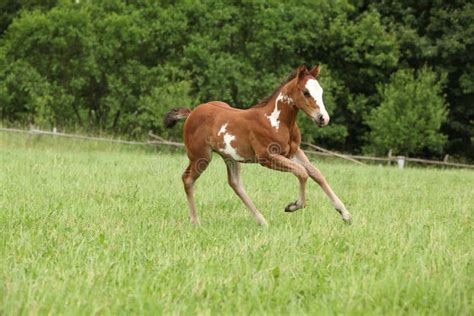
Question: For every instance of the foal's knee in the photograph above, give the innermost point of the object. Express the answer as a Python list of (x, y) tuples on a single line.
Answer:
[(302, 174), (317, 176)]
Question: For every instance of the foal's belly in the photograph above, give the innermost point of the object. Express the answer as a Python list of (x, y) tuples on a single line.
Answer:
[(231, 146), (234, 141)]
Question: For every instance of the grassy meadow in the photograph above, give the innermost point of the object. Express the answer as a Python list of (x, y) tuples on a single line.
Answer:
[(94, 228)]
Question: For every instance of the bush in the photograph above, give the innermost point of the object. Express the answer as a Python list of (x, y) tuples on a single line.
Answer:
[(112, 65), (409, 119)]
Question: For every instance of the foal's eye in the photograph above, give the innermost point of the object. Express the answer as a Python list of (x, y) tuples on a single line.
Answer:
[(306, 93)]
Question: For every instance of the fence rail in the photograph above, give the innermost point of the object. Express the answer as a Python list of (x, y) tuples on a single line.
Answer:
[(315, 150), (398, 159)]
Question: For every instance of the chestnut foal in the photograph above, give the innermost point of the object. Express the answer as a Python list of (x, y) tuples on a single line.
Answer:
[(265, 133)]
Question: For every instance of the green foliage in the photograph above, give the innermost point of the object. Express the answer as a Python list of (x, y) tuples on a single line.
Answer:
[(411, 114), (9, 9), (98, 65), (87, 65), (440, 34)]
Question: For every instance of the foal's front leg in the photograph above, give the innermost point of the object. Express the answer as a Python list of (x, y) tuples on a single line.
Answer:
[(281, 163), (318, 177)]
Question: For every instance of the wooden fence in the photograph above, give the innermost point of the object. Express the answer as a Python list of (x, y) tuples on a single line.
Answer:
[(312, 149)]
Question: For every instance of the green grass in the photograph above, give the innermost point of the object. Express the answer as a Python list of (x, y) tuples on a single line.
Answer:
[(89, 228)]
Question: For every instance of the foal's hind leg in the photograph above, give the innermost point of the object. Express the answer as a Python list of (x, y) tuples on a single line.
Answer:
[(317, 176), (192, 172), (233, 176)]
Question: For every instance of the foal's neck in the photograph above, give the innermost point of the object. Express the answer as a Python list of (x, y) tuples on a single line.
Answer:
[(281, 108)]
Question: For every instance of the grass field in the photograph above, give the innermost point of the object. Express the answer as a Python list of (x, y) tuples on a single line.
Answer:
[(89, 228)]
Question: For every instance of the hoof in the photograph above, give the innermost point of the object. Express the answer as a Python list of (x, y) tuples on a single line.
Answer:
[(195, 222), (346, 217), (293, 207), (348, 220), (261, 220)]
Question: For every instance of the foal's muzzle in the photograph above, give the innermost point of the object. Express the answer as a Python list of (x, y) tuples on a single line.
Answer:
[(321, 120)]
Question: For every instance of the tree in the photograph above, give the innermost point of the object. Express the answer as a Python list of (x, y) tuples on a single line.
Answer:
[(9, 9), (114, 65), (94, 65), (409, 118), (439, 34)]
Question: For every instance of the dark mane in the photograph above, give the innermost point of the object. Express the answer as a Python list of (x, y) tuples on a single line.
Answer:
[(264, 101)]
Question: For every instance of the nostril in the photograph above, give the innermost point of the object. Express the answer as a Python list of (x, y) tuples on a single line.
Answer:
[(320, 118)]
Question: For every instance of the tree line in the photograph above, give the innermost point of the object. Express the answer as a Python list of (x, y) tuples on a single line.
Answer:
[(396, 74)]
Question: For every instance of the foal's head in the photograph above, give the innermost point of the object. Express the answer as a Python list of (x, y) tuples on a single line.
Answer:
[(308, 95)]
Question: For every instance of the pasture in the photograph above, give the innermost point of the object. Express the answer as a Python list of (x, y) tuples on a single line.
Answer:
[(93, 228)]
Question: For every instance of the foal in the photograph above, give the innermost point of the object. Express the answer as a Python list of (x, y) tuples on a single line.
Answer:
[(265, 133)]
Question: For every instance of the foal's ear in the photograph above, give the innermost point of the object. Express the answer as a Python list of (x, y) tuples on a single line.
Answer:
[(315, 71), (301, 72)]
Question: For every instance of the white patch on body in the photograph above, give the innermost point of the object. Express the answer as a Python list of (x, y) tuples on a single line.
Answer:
[(317, 93), (222, 130), (274, 117), (228, 138)]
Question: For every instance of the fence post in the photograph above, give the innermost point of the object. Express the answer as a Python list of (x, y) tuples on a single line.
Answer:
[(401, 162), (389, 162), (30, 132)]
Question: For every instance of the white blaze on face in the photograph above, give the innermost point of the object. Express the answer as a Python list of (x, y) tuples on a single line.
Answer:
[(317, 93), (228, 138), (275, 115)]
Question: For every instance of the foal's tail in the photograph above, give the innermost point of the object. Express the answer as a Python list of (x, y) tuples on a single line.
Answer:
[(175, 115)]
